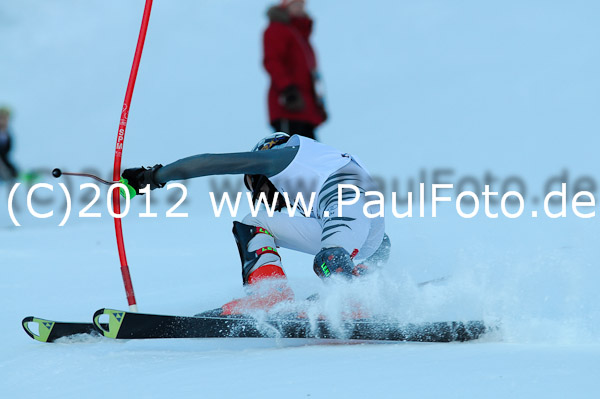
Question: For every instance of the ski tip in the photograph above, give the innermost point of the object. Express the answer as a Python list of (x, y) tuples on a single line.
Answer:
[(44, 328), (111, 328)]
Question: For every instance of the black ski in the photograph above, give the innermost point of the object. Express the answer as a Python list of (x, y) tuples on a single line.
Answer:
[(126, 325), (50, 331)]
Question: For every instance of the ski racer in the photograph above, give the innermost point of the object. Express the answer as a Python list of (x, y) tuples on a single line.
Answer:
[(347, 244)]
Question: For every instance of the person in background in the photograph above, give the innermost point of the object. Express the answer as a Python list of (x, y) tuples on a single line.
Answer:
[(296, 105), (7, 169)]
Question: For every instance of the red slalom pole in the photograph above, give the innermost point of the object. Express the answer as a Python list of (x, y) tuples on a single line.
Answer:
[(119, 154)]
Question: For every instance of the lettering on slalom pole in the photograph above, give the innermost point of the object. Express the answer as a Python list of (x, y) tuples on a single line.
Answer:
[(120, 139), (121, 135)]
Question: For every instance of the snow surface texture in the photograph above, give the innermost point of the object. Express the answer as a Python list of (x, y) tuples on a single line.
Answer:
[(506, 87)]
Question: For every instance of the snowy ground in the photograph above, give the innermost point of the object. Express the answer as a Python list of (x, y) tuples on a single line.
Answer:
[(510, 88), (547, 348)]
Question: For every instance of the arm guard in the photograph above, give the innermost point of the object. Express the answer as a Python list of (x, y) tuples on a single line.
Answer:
[(268, 163)]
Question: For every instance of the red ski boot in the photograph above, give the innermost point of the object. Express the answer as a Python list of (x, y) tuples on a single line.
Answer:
[(268, 287)]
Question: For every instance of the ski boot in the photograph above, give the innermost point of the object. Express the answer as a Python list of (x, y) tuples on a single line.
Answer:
[(262, 274)]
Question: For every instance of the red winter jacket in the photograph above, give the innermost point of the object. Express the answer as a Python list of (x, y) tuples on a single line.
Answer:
[(290, 60)]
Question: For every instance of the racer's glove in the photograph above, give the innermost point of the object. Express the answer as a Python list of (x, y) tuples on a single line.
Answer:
[(291, 99), (137, 178)]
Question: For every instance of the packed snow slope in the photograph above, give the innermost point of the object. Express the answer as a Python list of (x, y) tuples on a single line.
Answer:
[(508, 89)]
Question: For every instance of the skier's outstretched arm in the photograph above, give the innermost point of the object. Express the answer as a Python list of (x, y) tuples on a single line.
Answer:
[(268, 163)]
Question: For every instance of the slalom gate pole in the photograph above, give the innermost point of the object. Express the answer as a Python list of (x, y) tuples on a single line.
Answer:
[(119, 154)]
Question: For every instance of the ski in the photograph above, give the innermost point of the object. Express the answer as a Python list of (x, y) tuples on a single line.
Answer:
[(127, 325), (50, 330)]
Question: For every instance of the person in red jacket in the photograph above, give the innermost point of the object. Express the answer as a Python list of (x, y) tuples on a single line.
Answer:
[(295, 104)]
